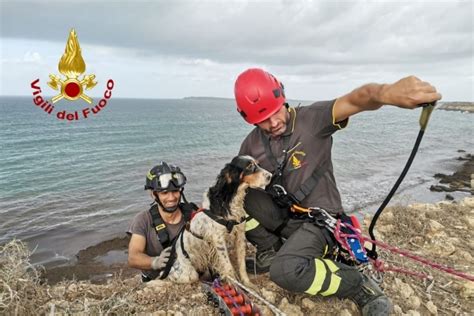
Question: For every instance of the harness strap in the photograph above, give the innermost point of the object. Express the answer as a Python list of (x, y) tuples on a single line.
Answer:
[(187, 210), (166, 270), (185, 253), (268, 151), (229, 224), (159, 226), (307, 187), (327, 222), (181, 238)]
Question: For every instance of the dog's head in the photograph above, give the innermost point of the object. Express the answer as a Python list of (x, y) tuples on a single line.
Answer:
[(242, 169), (250, 172)]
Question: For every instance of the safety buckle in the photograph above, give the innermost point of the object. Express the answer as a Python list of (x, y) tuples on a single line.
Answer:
[(160, 227), (279, 190), (322, 218)]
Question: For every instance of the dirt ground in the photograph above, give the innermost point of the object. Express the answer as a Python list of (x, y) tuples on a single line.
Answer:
[(441, 233)]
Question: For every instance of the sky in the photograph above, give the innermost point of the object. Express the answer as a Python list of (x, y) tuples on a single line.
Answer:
[(173, 49)]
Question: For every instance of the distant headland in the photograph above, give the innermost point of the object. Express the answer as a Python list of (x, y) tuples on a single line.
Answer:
[(457, 106)]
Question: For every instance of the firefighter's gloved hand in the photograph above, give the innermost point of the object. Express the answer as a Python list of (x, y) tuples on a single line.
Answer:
[(160, 262)]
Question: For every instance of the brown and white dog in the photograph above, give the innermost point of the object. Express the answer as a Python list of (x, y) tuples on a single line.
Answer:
[(208, 241)]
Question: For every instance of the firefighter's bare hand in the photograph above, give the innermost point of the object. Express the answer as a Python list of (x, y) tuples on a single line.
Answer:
[(409, 93), (160, 261)]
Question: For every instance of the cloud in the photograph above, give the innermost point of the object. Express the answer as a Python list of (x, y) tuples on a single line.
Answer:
[(280, 32), (32, 57), (302, 41), (28, 58)]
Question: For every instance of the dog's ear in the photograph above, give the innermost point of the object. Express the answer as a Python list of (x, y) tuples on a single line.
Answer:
[(222, 192)]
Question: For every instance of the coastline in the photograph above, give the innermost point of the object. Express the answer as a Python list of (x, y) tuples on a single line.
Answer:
[(97, 263), (99, 281), (457, 106), (440, 232), (100, 262)]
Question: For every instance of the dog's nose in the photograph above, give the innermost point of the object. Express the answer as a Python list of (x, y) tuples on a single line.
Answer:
[(269, 177)]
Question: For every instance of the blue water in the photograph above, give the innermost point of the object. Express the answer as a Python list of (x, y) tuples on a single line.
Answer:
[(68, 185)]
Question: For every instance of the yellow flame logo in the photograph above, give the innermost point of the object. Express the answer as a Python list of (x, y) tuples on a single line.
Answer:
[(295, 161), (72, 65)]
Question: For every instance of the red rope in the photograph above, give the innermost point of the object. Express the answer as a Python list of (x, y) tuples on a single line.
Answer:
[(379, 265)]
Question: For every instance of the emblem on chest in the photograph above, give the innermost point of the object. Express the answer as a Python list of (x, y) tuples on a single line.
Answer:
[(297, 159)]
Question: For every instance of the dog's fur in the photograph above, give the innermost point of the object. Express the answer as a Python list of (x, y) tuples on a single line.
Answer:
[(219, 250)]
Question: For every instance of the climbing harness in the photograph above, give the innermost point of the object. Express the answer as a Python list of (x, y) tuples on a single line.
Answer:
[(347, 232), (163, 236)]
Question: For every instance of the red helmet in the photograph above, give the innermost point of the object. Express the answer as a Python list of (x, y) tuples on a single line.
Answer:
[(259, 95)]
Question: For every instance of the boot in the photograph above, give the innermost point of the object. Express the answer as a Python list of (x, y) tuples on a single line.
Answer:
[(263, 260), (370, 299)]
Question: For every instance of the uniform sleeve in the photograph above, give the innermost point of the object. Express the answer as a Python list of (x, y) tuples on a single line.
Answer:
[(323, 118), (138, 225)]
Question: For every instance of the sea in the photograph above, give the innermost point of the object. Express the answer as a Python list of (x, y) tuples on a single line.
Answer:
[(66, 185)]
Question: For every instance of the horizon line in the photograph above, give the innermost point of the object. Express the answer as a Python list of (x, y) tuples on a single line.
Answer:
[(193, 97)]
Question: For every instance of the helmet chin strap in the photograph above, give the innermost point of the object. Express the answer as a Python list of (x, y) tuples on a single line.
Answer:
[(167, 209)]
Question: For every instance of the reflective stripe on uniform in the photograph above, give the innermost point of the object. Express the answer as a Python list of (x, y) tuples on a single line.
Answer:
[(335, 279), (333, 285), (326, 248), (251, 224), (331, 265), (320, 276)]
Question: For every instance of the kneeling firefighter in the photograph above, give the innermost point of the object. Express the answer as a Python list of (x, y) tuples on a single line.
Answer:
[(306, 260), (153, 232), (295, 145)]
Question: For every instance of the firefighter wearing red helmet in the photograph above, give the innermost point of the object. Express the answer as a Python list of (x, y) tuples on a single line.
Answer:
[(259, 95), (295, 145)]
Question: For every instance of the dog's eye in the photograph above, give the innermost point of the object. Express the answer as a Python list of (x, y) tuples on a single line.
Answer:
[(251, 168)]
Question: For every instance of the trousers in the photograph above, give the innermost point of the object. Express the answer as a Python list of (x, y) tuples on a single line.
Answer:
[(303, 263)]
